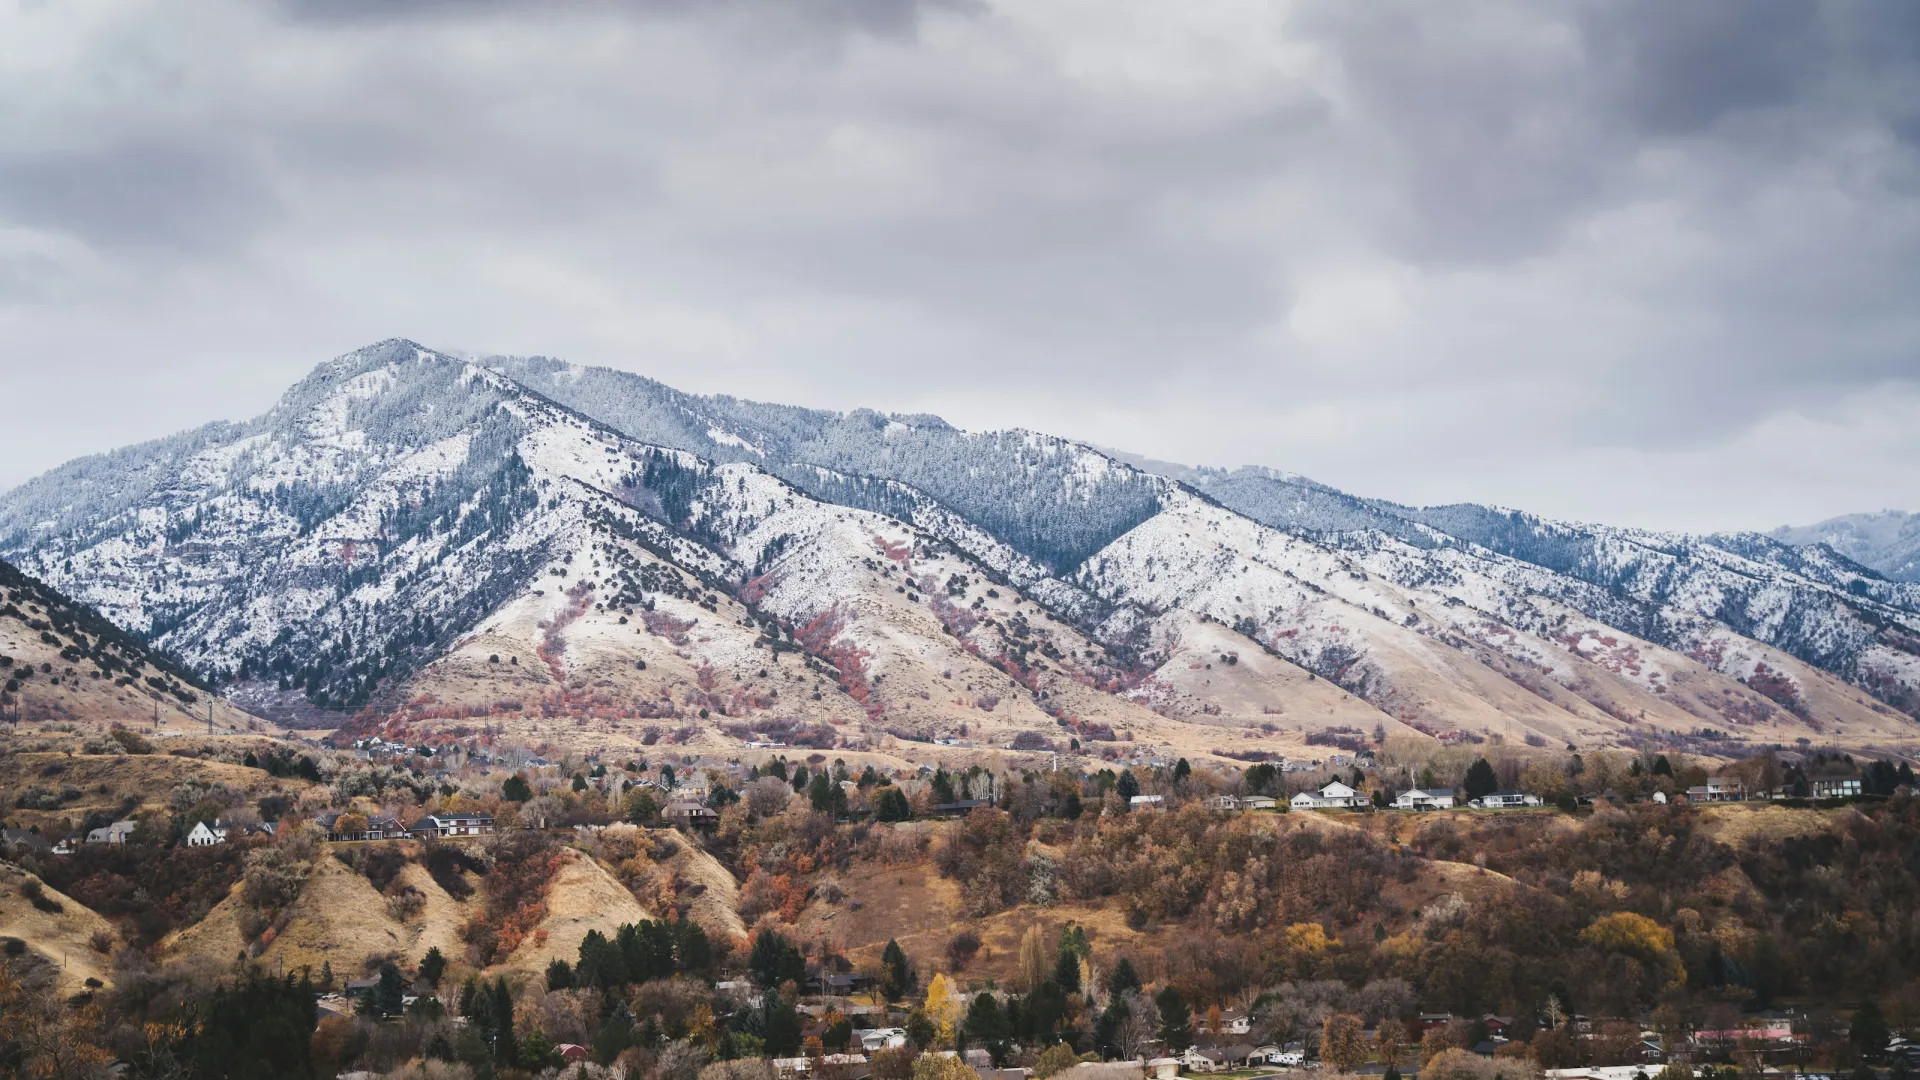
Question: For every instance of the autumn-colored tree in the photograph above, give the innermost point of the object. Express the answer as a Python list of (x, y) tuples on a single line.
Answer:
[(1343, 1043), (1054, 1059), (1033, 958), (1638, 936), (50, 1040), (1433, 1043), (935, 1067), (943, 1012), (1390, 1040)]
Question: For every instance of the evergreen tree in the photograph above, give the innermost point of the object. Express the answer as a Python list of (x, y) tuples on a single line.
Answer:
[(389, 994), (1127, 786), (1066, 971), (559, 975), (1123, 979), (1176, 1020), (1869, 1032), (780, 1024), (516, 789), (891, 805), (897, 981), (500, 1022), (255, 1028), (432, 966), (1480, 780), (774, 961), (987, 1026)]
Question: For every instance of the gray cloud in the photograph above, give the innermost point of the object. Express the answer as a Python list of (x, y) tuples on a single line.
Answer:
[(1501, 250)]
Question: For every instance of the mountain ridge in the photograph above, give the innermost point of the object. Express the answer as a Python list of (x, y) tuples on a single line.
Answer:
[(348, 547)]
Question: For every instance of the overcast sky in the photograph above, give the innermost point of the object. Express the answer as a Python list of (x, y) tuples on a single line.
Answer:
[(1646, 262)]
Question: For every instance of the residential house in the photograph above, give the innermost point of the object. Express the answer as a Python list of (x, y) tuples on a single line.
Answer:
[(883, 1039), (571, 1052), (689, 813), (1334, 796), (1718, 789), (1146, 802), (23, 840), (205, 835), (119, 832), (1240, 802), (466, 823), (1418, 799), (1216, 1058), (1505, 799), (1834, 787), (378, 827)]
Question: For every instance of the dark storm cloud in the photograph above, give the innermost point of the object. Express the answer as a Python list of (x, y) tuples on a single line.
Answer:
[(1386, 244)]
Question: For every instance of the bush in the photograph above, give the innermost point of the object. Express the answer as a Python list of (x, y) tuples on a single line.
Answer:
[(36, 894), (131, 741), (961, 949)]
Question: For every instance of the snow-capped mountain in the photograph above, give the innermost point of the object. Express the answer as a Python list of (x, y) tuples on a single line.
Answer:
[(588, 554), (1887, 541)]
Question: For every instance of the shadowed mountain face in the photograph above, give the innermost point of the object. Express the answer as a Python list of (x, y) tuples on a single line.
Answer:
[(525, 538)]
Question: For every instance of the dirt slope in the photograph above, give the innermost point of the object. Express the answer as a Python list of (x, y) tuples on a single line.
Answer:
[(65, 938), (584, 897)]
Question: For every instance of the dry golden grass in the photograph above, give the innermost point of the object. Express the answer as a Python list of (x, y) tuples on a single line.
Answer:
[(716, 907), (584, 897), (64, 938), (1736, 823), (106, 781)]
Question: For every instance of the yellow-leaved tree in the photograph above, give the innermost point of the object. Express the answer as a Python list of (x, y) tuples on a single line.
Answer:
[(1638, 936), (942, 1010)]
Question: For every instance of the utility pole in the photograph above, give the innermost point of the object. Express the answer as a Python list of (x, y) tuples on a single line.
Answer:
[(209, 714)]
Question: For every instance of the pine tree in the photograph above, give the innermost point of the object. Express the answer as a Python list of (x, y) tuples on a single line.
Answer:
[(1480, 780), (432, 966), (1176, 1020), (1123, 979), (898, 981), (389, 995), (501, 1026)]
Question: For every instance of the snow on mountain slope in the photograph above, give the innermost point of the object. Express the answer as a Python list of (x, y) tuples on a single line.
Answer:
[(1887, 541), (1440, 641), (1819, 607), (576, 555)]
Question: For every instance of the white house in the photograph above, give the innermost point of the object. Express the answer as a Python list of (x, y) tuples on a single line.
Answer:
[(117, 833), (1240, 802), (1417, 799), (205, 835), (467, 824), (1506, 799), (1145, 802), (1718, 789), (1334, 796)]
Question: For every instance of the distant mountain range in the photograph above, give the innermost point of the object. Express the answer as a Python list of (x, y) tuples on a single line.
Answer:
[(420, 539), (1888, 541)]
